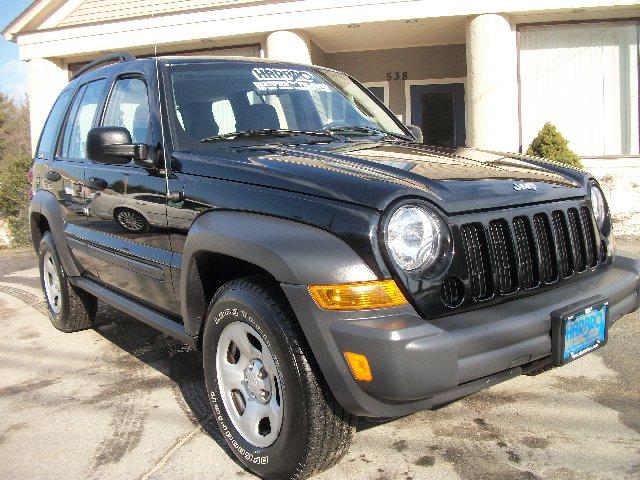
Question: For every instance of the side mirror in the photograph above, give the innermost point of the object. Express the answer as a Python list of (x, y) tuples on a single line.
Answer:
[(112, 145), (416, 132)]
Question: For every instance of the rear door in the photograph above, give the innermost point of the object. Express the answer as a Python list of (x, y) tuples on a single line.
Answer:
[(127, 204), (66, 174)]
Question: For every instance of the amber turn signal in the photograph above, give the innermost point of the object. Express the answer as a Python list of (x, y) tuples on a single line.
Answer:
[(358, 296), (359, 366)]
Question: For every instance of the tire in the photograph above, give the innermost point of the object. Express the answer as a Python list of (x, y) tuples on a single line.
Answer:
[(70, 309), (130, 220), (310, 432)]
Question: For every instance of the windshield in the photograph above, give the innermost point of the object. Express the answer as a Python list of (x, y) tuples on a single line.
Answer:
[(219, 98)]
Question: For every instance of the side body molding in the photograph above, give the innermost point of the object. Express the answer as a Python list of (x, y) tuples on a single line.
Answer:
[(45, 203), (293, 253)]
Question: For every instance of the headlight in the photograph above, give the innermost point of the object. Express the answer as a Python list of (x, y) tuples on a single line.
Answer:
[(599, 207), (416, 237)]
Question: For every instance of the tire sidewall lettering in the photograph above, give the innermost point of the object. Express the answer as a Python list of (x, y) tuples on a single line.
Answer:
[(222, 423), (239, 314)]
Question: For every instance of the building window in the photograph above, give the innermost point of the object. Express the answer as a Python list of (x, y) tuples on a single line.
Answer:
[(380, 90), (583, 78)]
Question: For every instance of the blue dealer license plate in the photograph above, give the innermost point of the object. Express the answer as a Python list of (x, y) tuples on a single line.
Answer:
[(583, 331)]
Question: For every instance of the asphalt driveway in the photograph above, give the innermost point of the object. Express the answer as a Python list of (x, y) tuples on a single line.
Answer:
[(123, 401)]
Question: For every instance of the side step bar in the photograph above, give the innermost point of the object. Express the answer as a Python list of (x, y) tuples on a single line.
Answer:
[(140, 312)]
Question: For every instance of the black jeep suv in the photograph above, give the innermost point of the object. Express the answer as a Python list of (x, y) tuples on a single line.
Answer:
[(281, 219)]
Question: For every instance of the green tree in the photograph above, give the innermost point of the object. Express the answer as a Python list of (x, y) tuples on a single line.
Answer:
[(15, 160), (550, 144), (14, 186)]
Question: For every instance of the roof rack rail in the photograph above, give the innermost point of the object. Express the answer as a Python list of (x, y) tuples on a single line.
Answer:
[(117, 57)]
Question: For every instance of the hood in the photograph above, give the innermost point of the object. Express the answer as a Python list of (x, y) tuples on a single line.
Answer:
[(374, 174)]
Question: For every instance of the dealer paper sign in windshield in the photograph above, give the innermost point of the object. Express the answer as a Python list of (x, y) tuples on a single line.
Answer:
[(270, 79)]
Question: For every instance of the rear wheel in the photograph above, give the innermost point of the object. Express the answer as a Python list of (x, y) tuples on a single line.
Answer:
[(270, 401), (70, 309)]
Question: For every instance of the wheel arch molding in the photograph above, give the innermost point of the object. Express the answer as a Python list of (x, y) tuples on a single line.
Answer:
[(289, 251), (45, 205)]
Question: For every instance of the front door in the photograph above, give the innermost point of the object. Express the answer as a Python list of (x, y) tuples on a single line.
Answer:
[(127, 209), (438, 109)]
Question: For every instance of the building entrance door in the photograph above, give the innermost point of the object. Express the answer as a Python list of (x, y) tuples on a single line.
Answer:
[(439, 110)]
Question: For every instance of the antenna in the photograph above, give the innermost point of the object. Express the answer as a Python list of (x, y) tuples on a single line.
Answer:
[(155, 38)]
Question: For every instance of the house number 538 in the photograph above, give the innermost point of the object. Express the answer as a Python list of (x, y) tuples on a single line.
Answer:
[(396, 76)]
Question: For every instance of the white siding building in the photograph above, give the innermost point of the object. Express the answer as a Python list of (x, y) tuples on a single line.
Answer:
[(486, 74)]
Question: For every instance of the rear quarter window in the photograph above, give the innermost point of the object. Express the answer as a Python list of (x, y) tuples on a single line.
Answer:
[(81, 120), (46, 145)]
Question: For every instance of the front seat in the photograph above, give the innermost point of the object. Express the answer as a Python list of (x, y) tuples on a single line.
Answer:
[(257, 117), (198, 120)]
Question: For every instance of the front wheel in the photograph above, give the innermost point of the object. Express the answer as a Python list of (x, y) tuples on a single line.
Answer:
[(269, 400)]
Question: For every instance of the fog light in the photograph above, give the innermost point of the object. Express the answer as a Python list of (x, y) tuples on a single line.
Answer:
[(358, 296), (359, 366)]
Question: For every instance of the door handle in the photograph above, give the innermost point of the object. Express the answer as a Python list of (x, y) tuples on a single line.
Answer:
[(52, 176), (96, 183)]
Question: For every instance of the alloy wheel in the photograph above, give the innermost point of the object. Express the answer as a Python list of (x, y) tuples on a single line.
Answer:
[(131, 221)]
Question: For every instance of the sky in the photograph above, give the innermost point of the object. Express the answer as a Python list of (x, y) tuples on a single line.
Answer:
[(13, 72)]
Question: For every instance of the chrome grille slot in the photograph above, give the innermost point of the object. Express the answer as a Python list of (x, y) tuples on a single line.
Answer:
[(504, 257), (474, 243), (452, 292), (546, 247), (577, 240), (527, 252), (563, 243), (589, 236)]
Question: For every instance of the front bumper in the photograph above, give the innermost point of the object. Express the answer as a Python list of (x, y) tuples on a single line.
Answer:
[(418, 364)]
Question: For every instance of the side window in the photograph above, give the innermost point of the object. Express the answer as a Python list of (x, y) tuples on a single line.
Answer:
[(129, 108), (46, 145), (80, 121)]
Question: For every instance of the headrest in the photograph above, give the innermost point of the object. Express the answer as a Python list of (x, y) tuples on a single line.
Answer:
[(198, 120), (258, 117), (140, 124)]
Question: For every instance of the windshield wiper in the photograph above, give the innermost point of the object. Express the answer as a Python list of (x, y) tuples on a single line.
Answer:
[(278, 132), (368, 130)]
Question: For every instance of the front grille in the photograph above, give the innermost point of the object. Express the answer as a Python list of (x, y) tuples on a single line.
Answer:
[(526, 252)]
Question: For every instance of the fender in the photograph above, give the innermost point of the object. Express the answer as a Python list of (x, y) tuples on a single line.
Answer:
[(292, 252), (45, 203)]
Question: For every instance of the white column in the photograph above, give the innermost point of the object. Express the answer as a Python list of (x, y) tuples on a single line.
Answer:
[(45, 81), (289, 46), (492, 84)]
